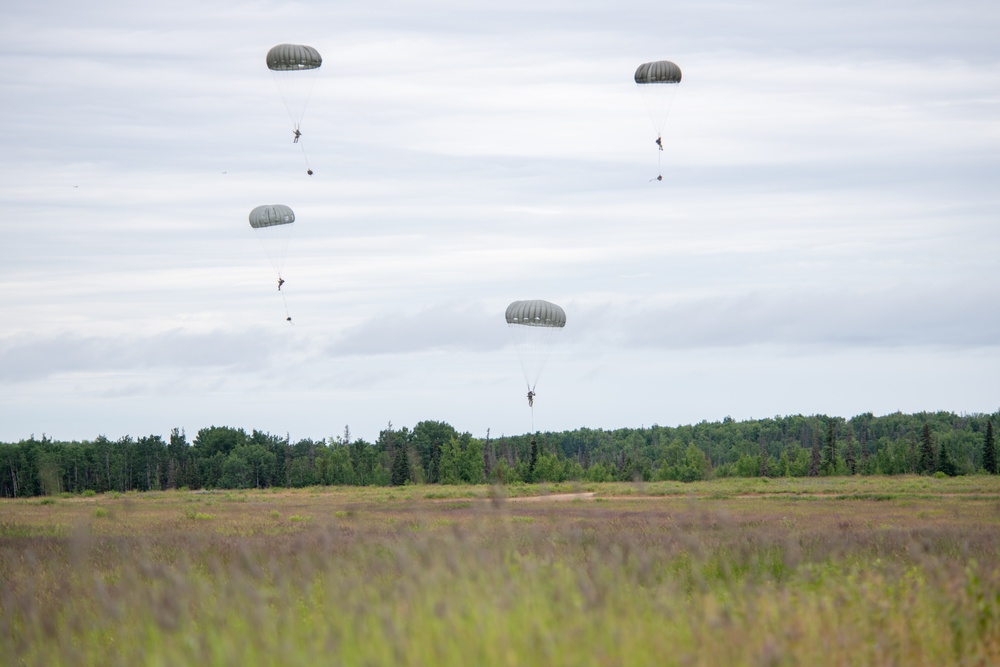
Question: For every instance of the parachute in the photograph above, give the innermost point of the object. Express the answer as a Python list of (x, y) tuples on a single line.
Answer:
[(534, 325), (273, 226), (295, 67), (271, 216), (657, 83)]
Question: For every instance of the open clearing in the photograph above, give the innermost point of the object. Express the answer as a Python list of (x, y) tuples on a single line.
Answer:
[(821, 571)]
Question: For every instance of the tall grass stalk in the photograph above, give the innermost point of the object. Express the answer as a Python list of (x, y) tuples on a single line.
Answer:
[(644, 580)]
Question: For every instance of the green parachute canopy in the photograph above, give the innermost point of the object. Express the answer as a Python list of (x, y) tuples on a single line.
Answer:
[(271, 215), (535, 313), (294, 67), (534, 325), (273, 226), (657, 83), (660, 71), (293, 58)]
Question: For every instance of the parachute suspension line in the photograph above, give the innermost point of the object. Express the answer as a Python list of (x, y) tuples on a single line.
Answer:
[(296, 90), (657, 84), (306, 159), (288, 316), (531, 406), (533, 344), (275, 240), (294, 68), (273, 227), (284, 299), (533, 324)]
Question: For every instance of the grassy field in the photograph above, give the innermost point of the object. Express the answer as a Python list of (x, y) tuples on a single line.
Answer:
[(827, 571)]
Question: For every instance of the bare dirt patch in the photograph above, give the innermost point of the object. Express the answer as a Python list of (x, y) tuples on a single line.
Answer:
[(557, 497)]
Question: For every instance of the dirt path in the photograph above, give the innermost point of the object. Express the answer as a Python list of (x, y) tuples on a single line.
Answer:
[(553, 496), (591, 495)]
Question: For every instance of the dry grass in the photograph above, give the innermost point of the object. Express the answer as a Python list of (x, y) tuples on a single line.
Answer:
[(887, 571)]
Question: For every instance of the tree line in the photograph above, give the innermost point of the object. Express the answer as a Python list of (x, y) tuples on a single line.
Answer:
[(435, 453)]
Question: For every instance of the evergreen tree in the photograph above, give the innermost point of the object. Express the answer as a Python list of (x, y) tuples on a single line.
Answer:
[(850, 455), (864, 451), (990, 450), (764, 463), (830, 451), (946, 465), (177, 461), (926, 463), (400, 466), (533, 460), (814, 457), (288, 460)]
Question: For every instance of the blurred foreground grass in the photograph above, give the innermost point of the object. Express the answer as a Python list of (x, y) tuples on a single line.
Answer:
[(835, 571)]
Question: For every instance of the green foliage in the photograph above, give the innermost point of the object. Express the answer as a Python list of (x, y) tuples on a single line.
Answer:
[(850, 453), (682, 464), (428, 438), (218, 440), (599, 472), (461, 461), (990, 450), (928, 460), (829, 465), (400, 466), (224, 457), (814, 456), (548, 468), (532, 461), (336, 466), (945, 464)]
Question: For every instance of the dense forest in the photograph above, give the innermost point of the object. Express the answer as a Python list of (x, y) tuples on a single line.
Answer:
[(434, 452)]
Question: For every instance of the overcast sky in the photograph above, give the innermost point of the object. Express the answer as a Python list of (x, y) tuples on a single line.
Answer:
[(826, 237)]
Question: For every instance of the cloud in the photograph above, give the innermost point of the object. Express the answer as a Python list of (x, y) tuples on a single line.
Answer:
[(28, 358), (828, 184), (878, 318), (442, 327)]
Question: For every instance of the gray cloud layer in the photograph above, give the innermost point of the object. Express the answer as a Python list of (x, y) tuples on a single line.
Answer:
[(880, 319), (829, 183), (24, 358)]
